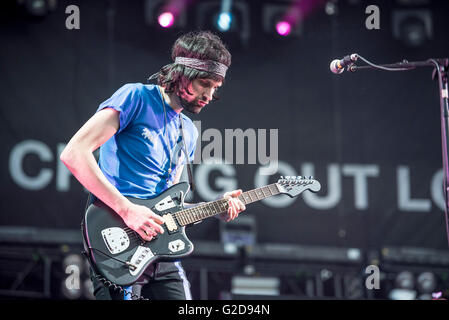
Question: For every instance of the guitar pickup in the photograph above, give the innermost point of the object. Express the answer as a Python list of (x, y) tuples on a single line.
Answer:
[(170, 222)]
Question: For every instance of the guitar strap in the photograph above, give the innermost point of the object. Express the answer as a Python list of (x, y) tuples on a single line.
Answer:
[(189, 164)]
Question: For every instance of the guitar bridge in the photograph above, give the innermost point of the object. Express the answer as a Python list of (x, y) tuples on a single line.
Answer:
[(131, 266)]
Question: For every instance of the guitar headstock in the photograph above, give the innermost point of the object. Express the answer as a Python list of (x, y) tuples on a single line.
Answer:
[(294, 185)]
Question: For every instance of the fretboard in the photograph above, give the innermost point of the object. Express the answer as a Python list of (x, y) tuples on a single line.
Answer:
[(209, 209)]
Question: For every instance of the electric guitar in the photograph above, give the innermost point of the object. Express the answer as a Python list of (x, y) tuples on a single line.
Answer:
[(120, 255)]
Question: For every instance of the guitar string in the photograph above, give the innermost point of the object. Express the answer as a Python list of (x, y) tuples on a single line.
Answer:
[(241, 197), (181, 214), (177, 215), (131, 232), (132, 235)]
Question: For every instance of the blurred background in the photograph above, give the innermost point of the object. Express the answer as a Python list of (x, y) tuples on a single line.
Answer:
[(371, 138)]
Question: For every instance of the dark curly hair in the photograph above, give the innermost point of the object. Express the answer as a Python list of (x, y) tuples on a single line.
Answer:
[(203, 45)]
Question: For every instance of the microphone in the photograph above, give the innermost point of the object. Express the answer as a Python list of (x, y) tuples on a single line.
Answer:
[(338, 66)]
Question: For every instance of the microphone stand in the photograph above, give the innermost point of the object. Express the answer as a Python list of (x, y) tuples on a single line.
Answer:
[(441, 70)]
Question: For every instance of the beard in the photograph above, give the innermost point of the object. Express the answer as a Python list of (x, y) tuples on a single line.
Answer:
[(190, 106)]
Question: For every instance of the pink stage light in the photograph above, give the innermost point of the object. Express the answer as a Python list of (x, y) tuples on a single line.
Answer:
[(166, 19), (283, 28)]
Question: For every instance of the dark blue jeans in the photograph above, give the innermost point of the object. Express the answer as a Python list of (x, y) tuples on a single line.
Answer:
[(161, 281)]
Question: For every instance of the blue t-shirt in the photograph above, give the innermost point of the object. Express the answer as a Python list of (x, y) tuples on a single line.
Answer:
[(136, 159)]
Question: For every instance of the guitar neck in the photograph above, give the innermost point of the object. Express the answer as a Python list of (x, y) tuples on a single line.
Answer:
[(209, 209)]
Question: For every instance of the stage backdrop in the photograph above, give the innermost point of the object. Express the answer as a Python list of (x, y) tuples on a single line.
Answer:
[(371, 138)]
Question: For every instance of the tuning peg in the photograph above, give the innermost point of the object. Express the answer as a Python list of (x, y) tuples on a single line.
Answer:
[(282, 177), (288, 177), (311, 178)]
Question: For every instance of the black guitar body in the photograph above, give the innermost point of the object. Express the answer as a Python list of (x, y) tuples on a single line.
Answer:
[(118, 253)]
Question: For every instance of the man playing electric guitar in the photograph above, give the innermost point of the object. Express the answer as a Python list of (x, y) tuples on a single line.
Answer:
[(142, 150)]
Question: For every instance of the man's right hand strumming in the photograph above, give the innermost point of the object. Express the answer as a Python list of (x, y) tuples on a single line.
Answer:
[(142, 220)]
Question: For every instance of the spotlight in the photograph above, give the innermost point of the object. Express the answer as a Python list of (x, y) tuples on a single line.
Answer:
[(283, 28), (231, 18), (402, 294), (166, 19), (412, 27), (224, 21), (405, 282), (282, 20), (37, 8), (331, 8), (412, 31), (426, 282), (166, 14)]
